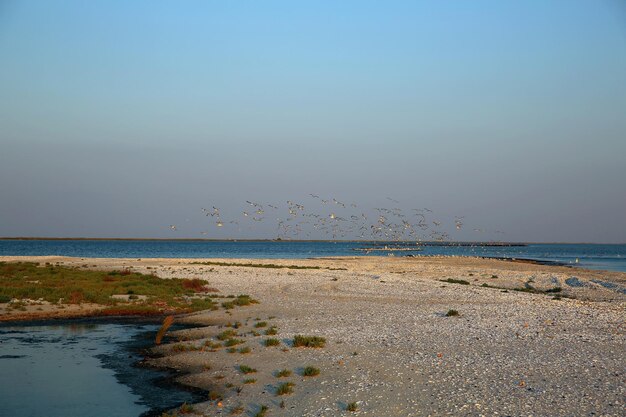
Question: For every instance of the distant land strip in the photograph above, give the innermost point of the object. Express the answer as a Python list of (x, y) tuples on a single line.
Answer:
[(375, 242)]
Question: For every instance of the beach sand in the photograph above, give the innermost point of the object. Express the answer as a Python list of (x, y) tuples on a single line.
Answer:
[(390, 346)]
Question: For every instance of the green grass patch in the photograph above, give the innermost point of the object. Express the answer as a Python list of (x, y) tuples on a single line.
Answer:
[(309, 341), (245, 369), (353, 406), (310, 371), (252, 265), (52, 283), (283, 373), (239, 301), (226, 334), (455, 281), (232, 342), (272, 331), (262, 411), (271, 342), (260, 324), (285, 388)]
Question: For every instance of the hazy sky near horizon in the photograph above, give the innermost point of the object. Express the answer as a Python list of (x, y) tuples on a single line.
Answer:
[(120, 118)]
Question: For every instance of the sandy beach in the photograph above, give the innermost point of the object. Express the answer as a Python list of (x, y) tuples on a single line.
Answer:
[(391, 349)]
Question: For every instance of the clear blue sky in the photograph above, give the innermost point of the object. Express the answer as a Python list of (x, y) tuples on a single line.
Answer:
[(120, 118)]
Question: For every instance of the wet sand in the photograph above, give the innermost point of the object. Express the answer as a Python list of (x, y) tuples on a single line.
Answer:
[(390, 346)]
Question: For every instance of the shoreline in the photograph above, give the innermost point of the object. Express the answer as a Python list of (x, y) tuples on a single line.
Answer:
[(519, 341)]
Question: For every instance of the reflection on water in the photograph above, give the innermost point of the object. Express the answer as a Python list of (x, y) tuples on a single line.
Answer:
[(81, 368)]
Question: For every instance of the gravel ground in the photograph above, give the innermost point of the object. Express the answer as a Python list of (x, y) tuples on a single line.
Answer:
[(392, 349)]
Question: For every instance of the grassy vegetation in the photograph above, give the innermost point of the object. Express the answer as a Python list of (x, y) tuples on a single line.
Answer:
[(226, 334), (260, 324), (251, 265), (186, 409), (452, 313), (239, 301), (353, 406), (455, 281), (65, 285), (244, 350), (310, 371), (271, 342), (212, 345), (285, 388), (232, 342), (262, 412), (245, 369), (309, 341), (249, 381), (283, 373), (531, 290), (272, 331)]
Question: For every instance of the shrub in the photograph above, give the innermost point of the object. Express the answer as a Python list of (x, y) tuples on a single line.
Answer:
[(283, 373), (310, 371), (245, 369), (284, 388), (452, 313), (455, 281), (262, 411), (309, 341), (226, 334), (233, 342), (271, 342)]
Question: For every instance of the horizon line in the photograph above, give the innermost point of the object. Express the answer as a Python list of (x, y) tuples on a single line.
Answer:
[(292, 240)]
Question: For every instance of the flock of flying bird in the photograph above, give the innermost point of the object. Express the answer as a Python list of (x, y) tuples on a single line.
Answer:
[(334, 219)]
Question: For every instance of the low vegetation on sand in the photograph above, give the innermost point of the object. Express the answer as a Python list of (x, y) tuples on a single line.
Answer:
[(284, 373), (310, 371), (284, 388), (262, 411), (455, 281), (245, 369), (271, 342), (65, 285), (239, 301), (309, 341), (267, 266)]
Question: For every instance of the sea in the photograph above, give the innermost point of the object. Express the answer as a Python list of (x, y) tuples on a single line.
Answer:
[(610, 257)]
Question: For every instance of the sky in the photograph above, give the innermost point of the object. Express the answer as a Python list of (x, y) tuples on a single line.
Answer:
[(119, 119)]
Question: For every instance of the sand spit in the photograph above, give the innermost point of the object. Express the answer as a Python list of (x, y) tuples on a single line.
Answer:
[(390, 348)]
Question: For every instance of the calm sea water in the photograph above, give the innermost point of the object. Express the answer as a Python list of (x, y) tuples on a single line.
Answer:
[(82, 368), (608, 257)]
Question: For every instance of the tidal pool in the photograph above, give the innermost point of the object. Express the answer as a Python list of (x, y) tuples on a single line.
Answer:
[(83, 368)]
